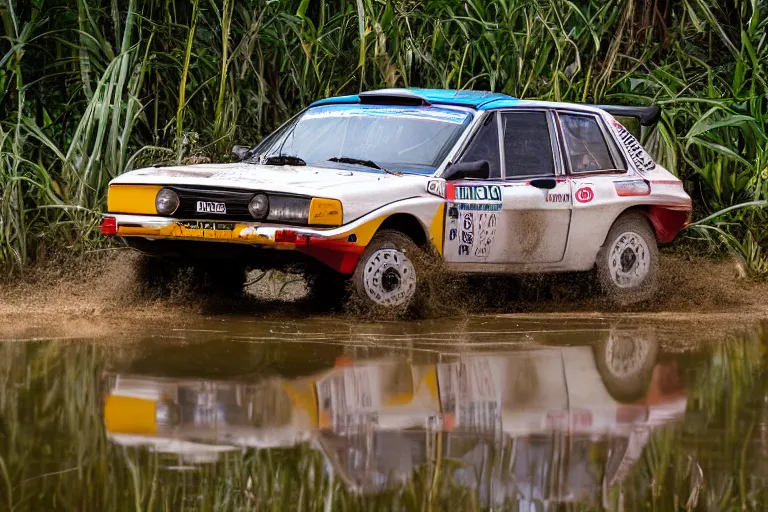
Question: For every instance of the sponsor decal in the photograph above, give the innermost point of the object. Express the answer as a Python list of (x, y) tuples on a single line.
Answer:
[(626, 188), (558, 198), (642, 160), (478, 193), (211, 207), (487, 207), (467, 235), (478, 198), (477, 234), (452, 234), (208, 226), (486, 234), (584, 195), (468, 221)]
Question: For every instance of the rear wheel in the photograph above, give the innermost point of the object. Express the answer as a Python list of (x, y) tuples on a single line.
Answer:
[(387, 274), (628, 262), (625, 362)]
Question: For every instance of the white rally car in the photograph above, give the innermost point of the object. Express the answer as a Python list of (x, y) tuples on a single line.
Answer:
[(361, 185)]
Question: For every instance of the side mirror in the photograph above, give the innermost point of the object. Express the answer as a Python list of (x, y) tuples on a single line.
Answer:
[(545, 183), (241, 152), (479, 169)]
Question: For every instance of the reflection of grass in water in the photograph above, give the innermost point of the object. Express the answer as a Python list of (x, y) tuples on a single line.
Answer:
[(711, 459), (54, 453)]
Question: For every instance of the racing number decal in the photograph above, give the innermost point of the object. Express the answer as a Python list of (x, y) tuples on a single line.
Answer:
[(472, 219), (584, 195)]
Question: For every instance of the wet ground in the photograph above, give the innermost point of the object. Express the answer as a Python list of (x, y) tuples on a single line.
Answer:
[(512, 413)]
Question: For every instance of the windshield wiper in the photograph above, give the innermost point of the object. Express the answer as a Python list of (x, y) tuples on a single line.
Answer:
[(283, 160), (364, 163)]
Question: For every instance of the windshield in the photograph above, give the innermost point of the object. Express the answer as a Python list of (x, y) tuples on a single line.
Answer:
[(397, 138)]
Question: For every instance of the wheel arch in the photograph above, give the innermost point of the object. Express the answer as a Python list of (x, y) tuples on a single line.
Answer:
[(665, 222), (407, 224)]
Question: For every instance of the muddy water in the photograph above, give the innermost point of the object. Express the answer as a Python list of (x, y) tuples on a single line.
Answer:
[(521, 414)]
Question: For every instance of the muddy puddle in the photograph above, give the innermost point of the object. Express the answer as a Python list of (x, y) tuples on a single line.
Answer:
[(523, 413)]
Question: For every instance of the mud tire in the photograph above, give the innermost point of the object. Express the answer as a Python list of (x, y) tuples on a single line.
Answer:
[(625, 362), (417, 260), (637, 225)]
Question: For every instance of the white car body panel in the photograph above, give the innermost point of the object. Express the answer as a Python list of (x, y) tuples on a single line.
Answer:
[(360, 192), (514, 227)]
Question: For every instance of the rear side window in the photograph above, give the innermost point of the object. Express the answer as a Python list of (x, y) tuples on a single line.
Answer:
[(485, 146), (586, 146), (527, 145)]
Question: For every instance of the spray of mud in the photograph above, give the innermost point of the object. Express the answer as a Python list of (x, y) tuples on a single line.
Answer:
[(113, 285)]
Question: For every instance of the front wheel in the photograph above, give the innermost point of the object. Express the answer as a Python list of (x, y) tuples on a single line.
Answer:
[(387, 274), (628, 262)]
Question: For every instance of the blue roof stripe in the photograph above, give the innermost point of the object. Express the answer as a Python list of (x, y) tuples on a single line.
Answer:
[(352, 98), (463, 98)]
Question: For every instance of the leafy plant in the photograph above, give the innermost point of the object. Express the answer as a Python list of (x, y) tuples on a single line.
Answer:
[(91, 89)]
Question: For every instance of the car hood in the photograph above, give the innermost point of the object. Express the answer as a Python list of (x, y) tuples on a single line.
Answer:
[(359, 191)]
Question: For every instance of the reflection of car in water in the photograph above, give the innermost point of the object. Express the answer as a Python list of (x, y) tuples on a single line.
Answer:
[(552, 423)]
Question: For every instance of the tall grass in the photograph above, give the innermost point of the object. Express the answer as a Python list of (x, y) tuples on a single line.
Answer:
[(91, 89)]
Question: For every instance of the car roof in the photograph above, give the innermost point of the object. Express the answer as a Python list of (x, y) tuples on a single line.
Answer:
[(460, 98)]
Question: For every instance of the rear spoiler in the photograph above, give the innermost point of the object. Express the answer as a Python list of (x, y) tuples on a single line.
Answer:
[(647, 116)]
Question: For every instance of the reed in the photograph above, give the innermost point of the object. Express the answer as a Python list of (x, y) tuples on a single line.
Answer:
[(93, 88)]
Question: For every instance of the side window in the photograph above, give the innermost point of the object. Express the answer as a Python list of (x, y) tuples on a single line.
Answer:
[(485, 146), (527, 145), (586, 146)]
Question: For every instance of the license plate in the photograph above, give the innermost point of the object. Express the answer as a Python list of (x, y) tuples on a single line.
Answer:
[(211, 207)]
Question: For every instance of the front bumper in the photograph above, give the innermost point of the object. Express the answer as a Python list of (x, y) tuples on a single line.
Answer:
[(339, 248), (227, 231)]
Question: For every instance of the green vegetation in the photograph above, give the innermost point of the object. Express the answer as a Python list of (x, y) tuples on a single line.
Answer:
[(92, 88)]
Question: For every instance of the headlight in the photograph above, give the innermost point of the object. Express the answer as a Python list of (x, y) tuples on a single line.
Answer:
[(289, 209), (259, 207), (166, 201), (295, 210)]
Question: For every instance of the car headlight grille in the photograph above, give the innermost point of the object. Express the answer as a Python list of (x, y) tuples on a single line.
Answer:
[(289, 209), (250, 206)]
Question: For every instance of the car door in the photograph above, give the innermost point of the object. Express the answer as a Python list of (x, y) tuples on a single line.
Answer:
[(595, 166), (521, 213)]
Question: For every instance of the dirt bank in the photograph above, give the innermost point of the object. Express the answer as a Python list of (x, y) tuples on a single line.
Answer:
[(105, 286)]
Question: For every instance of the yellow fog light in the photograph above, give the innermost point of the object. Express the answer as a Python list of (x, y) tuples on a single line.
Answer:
[(139, 199), (325, 212)]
